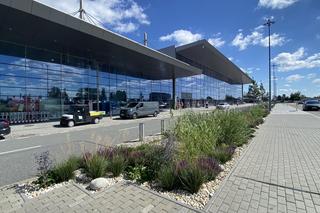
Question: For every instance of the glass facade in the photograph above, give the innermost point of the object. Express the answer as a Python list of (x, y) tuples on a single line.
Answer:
[(38, 80)]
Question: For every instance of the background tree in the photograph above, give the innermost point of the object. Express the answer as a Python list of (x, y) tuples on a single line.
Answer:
[(254, 91), (296, 96)]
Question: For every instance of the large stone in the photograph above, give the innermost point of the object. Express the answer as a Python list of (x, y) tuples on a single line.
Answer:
[(99, 183)]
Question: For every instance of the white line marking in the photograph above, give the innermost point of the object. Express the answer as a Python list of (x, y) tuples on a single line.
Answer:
[(128, 128), (19, 150)]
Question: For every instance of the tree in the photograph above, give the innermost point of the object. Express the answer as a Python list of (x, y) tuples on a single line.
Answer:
[(254, 91), (296, 96), (262, 91), (54, 92), (103, 95)]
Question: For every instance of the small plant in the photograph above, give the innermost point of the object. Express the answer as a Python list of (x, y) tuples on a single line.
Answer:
[(65, 171), (136, 173), (117, 165), (44, 165), (192, 178), (95, 165), (167, 177), (223, 153), (210, 167)]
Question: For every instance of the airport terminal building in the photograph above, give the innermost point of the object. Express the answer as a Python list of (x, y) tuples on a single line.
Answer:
[(50, 60)]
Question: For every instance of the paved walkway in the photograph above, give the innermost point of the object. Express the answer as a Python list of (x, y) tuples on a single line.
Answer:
[(71, 198), (280, 170)]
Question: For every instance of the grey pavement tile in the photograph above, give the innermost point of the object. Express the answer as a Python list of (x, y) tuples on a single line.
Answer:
[(279, 170)]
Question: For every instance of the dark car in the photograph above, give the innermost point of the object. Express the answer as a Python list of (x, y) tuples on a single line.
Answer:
[(4, 128), (311, 105)]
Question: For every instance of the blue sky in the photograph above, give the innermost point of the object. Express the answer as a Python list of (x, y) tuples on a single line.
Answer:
[(233, 26)]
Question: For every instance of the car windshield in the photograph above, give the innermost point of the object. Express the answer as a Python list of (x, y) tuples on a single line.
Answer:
[(313, 102), (131, 105), (73, 109)]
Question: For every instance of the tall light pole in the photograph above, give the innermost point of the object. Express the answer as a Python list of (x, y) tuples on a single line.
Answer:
[(274, 66), (269, 23)]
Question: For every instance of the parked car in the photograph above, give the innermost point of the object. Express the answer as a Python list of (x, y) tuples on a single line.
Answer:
[(4, 127), (80, 114), (139, 109), (223, 106), (311, 105)]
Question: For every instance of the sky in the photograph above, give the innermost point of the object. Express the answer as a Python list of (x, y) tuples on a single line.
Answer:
[(234, 27)]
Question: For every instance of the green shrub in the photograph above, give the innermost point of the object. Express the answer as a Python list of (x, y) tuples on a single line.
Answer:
[(117, 165), (191, 178), (64, 171), (45, 180), (233, 128), (95, 165), (145, 160), (167, 177), (255, 115), (196, 134), (136, 173), (223, 153)]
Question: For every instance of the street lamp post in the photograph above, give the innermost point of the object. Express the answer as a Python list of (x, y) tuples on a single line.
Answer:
[(269, 23)]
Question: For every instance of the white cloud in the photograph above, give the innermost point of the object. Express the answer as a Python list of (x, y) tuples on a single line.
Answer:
[(318, 18), (316, 81), (275, 40), (120, 15), (296, 60), (287, 85), (182, 37), (257, 37), (230, 58), (318, 36), (276, 4), (292, 78), (216, 41), (311, 75)]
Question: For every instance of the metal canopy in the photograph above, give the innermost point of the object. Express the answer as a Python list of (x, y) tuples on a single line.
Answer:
[(213, 63), (31, 23)]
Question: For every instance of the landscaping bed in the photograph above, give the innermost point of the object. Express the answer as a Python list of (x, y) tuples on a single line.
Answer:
[(187, 163)]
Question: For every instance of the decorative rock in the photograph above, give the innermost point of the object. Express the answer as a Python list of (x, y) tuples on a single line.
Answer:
[(99, 183)]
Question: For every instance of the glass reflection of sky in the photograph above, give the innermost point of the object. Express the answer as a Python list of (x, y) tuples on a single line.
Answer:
[(20, 77)]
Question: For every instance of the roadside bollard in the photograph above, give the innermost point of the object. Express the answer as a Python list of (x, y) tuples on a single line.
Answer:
[(141, 131), (162, 127)]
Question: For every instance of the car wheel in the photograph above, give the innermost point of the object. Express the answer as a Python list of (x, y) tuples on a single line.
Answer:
[(96, 120), (155, 114), (134, 116), (70, 123)]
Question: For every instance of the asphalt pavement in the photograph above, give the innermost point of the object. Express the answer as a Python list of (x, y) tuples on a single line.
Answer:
[(17, 156)]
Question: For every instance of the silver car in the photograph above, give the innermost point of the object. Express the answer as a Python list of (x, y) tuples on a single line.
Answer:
[(223, 106), (311, 105)]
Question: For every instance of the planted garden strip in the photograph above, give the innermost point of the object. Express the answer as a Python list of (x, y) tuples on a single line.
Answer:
[(187, 164)]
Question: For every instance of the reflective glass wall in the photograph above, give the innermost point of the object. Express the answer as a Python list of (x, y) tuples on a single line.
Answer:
[(37, 80)]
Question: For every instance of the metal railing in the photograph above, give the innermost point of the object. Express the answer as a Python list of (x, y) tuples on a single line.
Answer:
[(25, 117)]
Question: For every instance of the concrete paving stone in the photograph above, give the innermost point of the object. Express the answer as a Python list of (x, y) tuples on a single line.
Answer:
[(282, 208), (317, 207), (291, 206), (311, 210), (281, 161)]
